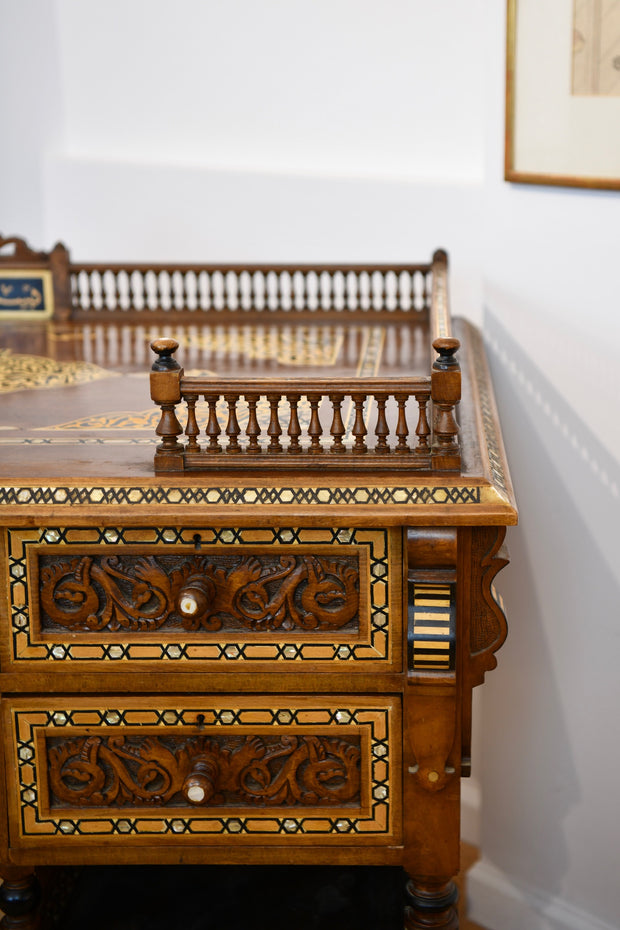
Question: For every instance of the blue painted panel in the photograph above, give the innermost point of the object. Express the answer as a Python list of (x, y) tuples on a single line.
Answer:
[(22, 294)]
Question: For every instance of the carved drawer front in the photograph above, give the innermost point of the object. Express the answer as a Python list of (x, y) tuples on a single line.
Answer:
[(249, 770), (183, 596)]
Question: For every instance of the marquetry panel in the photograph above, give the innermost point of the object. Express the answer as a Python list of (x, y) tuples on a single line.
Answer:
[(432, 628), (196, 770), (190, 595), (212, 495)]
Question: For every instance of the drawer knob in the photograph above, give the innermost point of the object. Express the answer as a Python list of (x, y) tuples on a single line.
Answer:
[(195, 597), (199, 786)]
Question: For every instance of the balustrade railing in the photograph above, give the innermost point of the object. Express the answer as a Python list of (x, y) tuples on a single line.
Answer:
[(325, 422), (151, 289)]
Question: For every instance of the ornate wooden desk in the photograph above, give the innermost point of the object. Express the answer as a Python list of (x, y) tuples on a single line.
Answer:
[(253, 637)]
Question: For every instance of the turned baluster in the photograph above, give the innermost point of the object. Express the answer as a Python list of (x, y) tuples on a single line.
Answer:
[(359, 427), (274, 430), (446, 393), (381, 428), (423, 430), (232, 427), (337, 428), (446, 428), (354, 293), (432, 905), (20, 896), (402, 290), (165, 391), (281, 278), (213, 426), (252, 430), (314, 427), (192, 430), (402, 430), (294, 428)]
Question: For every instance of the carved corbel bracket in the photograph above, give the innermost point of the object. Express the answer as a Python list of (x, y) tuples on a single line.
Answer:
[(482, 556), (487, 628), (431, 719)]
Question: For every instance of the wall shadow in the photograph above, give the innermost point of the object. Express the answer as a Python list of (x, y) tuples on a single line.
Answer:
[(548, 711)]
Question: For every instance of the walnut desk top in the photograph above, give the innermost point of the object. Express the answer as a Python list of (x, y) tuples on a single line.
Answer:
[(76, 405)]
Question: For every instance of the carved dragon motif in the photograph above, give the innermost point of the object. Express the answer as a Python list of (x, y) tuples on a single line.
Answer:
[(87, 593), (94, 593), (289, 770)]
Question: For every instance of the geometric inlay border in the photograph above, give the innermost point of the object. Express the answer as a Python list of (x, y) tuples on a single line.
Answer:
[(293, 496), (489, 422)]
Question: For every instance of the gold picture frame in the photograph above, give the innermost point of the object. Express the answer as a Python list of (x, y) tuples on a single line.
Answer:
[(562, 117), (26, 294)]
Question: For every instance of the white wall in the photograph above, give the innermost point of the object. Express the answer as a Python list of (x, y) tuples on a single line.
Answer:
[(329, 87), (550, 812), (31, 113), (270, 130), (252, 129)]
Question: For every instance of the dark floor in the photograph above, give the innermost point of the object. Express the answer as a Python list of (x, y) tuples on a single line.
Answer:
[(235, 897)]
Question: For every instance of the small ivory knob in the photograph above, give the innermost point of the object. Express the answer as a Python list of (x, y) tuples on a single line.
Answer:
[(196, 794), (188, 605), (199, 786), (194, 598)]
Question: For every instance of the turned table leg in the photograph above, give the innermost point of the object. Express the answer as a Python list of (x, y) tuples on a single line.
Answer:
[(19, 899), (431, 905)]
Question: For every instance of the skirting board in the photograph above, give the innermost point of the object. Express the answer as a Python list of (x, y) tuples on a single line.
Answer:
[(496, 901)]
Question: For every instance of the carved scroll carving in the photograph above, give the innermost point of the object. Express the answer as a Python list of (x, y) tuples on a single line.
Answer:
[(22, 251), (127, 770), (488, 628), (134, 593)]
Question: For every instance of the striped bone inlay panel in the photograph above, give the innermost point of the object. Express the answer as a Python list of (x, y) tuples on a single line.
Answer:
[(432, 621)]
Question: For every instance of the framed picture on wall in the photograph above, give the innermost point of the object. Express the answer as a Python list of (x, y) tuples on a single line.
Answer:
[(563, 93)]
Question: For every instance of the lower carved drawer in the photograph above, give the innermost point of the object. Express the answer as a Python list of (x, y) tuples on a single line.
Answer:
[(212, 770)]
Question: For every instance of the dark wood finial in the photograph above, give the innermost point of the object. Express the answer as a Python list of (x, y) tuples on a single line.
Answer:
[(446, 347), (165, 349)]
